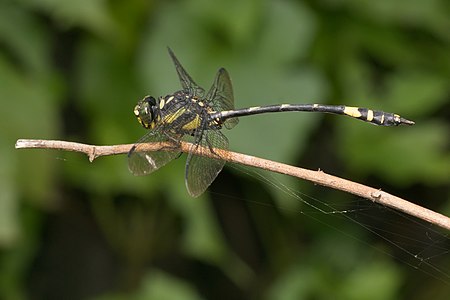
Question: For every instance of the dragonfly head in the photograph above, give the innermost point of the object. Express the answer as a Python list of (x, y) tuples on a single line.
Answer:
[(145, 112)]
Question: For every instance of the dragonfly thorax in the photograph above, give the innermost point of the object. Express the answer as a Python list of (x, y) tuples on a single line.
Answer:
[(183, 113)]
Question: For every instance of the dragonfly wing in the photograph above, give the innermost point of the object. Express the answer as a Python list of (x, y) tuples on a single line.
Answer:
[(201, 170), (186, 80), (141, 162), (221, 95)]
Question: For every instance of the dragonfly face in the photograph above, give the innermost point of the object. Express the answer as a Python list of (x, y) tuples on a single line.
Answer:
[(146, 112)]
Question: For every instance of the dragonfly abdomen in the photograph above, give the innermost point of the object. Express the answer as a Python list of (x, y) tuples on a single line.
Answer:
[(368, 115)]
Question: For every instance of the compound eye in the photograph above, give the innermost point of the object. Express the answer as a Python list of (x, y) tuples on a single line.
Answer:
[(150, 100)]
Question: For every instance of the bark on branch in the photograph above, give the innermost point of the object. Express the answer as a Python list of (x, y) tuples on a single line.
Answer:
[(317, 177)]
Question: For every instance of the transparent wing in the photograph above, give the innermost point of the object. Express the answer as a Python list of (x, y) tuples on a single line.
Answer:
[(220, 96), (200, 170), (142, 162), (186, 81)]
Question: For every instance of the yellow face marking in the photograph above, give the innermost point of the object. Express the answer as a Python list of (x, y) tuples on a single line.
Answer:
[(369, 115), (194, 124), (162, 102), (352, 112), (146, 125)]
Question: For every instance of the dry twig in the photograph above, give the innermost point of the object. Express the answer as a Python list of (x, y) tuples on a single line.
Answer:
[(318, 177)]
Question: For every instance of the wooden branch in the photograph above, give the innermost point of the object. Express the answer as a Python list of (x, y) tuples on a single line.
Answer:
[(317, 177)]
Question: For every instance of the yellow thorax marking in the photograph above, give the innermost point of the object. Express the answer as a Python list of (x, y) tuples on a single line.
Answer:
[(172, 117), (162, 102), (194, 124), (170, 99)]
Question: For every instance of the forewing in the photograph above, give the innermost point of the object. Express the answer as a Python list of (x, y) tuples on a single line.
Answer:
[(201, 170), (186, 81), (220, 96), (142, 162)]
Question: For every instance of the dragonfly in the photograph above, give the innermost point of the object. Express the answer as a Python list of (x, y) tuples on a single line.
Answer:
[(193, 116)]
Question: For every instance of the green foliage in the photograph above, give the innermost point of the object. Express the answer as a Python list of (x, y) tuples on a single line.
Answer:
[(73, 70)]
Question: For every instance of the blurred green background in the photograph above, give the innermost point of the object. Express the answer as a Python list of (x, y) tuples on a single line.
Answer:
[(73, 70)]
